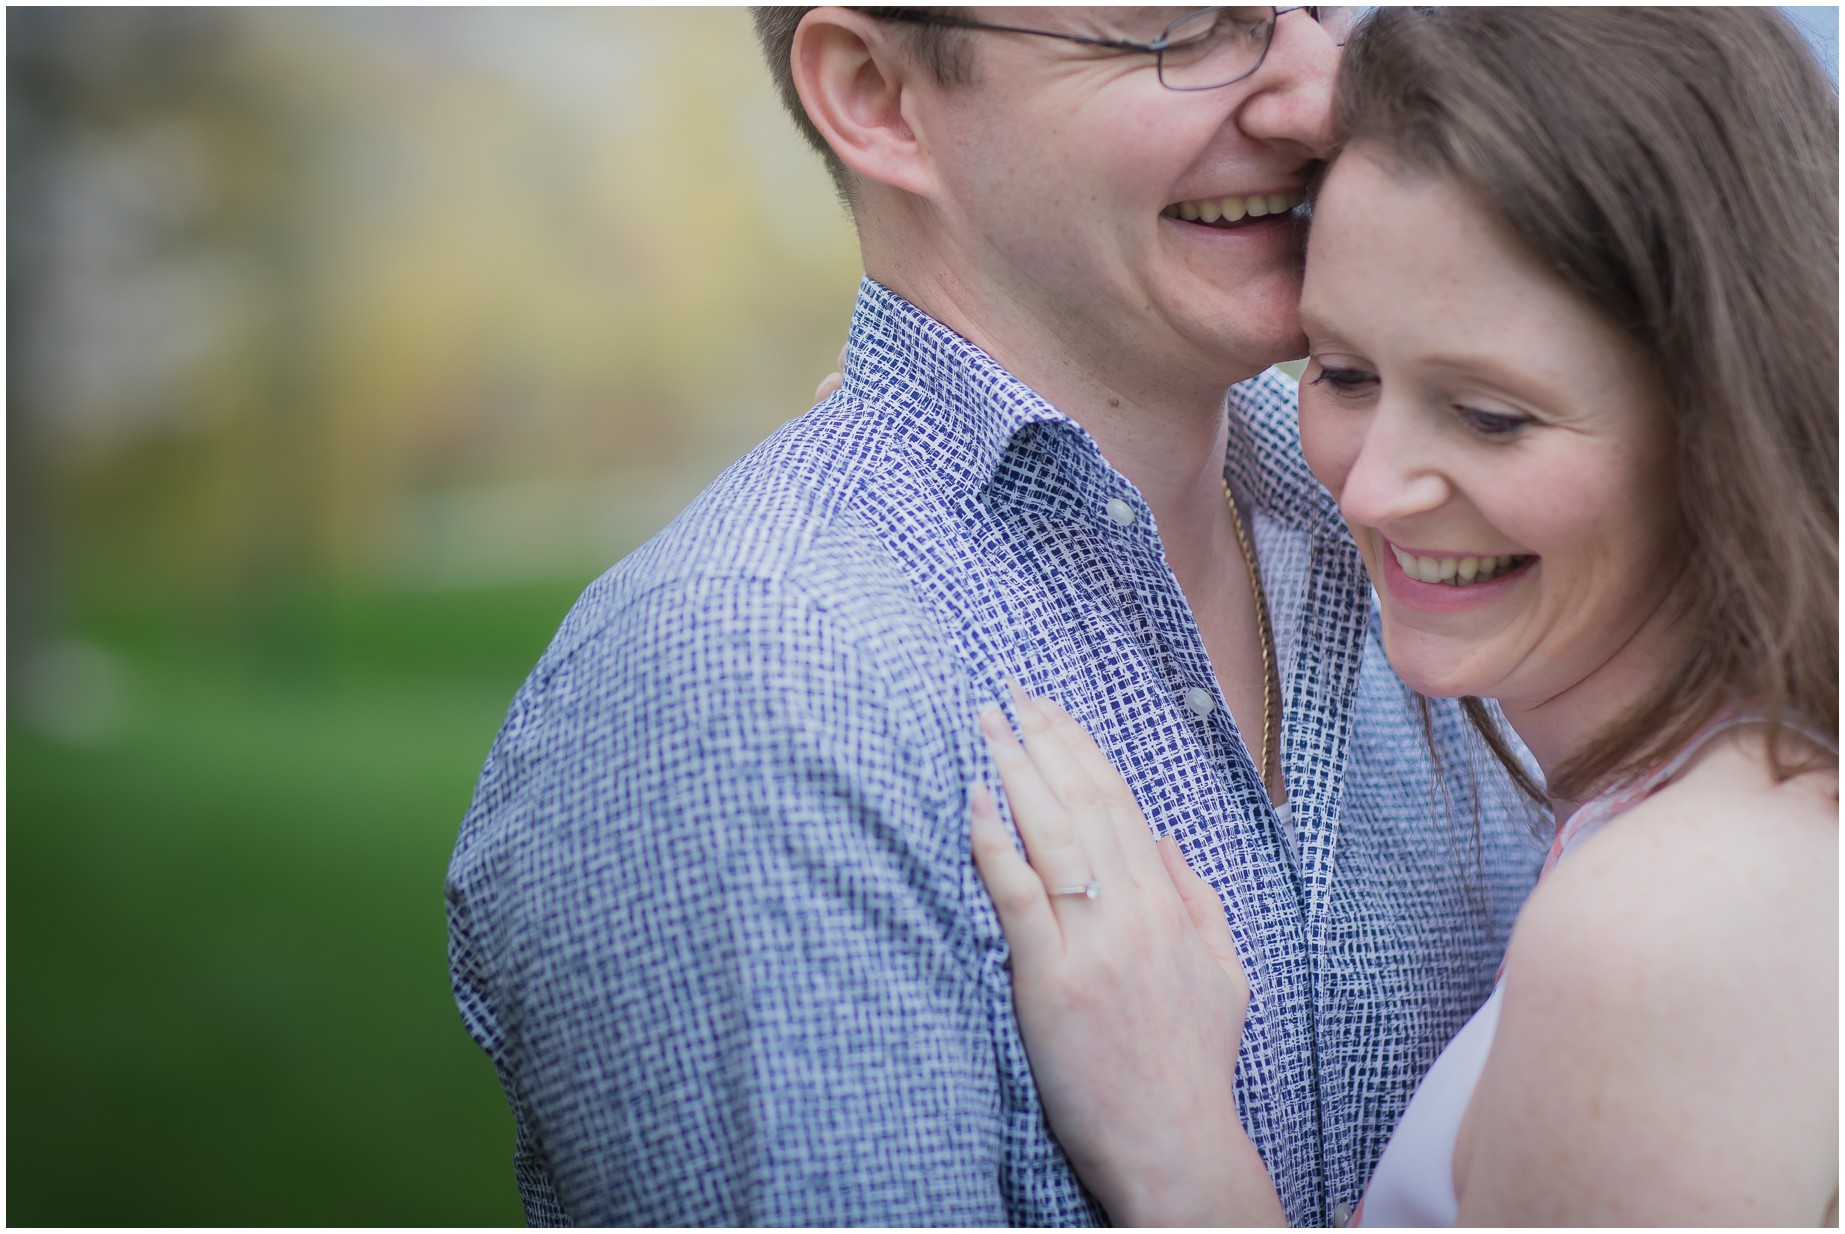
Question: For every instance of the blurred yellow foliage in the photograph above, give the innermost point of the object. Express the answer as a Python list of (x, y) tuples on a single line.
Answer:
[(430, 296)]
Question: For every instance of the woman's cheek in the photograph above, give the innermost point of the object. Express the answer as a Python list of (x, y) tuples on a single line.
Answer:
[(1329, 445)]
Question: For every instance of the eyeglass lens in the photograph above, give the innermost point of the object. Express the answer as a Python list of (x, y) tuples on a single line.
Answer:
[(1215, 47)]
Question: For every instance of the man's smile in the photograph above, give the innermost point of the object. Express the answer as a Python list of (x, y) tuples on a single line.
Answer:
[(1236, 208)]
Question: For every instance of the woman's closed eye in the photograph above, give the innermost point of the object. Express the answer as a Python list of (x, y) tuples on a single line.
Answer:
[(1487, 422), (1343, 381)]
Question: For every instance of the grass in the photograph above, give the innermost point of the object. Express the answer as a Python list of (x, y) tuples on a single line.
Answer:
[(229, 996)]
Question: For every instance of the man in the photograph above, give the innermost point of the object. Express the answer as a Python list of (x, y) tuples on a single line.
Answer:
[(712, 912)]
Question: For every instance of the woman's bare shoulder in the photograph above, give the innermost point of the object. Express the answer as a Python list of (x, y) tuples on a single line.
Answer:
[(1678, 974), (1725, 861)]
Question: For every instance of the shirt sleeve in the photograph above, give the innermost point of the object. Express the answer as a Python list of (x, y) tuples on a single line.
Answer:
[(708, 917)]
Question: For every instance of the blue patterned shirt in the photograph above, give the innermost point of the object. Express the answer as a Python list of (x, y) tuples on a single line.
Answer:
[(712, 913)]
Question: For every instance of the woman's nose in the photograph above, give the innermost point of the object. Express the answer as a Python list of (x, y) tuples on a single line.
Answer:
[(1395, 475)]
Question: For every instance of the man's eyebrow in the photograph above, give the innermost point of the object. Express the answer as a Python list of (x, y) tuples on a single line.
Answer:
[(1137, 24)]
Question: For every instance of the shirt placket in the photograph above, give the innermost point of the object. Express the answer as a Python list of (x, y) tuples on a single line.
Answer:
[(1109, 502)]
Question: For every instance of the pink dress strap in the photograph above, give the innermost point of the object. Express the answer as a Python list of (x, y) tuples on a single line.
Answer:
[(1598, 812)]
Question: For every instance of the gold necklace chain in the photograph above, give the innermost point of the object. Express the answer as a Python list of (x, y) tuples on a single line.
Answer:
[(1262, 628)]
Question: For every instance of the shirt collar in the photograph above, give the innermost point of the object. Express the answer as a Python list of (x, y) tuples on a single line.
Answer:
[(1264, 458), (963, 410), (953, 402)]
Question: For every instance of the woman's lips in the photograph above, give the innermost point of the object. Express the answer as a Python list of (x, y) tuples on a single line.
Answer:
[(1461, 581)]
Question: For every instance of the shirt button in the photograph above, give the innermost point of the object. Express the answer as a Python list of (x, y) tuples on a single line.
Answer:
[(1199, 701), (1342, 1213), (1121, 511)]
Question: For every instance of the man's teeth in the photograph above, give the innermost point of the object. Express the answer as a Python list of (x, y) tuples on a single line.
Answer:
[(1457, 571), (1234, 209)]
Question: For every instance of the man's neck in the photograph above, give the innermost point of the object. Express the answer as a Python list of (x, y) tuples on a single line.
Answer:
[(1159, 420), (1166, 432)]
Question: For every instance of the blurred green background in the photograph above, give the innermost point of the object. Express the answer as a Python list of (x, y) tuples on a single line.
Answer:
[(344, 349)]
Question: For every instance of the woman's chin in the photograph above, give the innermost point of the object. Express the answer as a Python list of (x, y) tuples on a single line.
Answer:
[(1437, 688), (1435, 677)]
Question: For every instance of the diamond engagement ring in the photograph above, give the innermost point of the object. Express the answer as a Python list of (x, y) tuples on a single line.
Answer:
[(1089, 890)]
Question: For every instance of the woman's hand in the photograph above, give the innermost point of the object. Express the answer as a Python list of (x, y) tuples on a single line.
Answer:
[(833, 380), (1129, 994)]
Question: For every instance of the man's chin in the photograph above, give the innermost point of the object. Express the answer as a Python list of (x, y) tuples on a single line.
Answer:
[(1241, 357), (1256, 327)]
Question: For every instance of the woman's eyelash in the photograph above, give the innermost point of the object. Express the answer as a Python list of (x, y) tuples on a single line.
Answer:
[(1350, 382), (1494, 423), (1342, 379)]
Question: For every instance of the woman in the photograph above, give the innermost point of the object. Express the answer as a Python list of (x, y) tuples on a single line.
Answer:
[(1571, 294)]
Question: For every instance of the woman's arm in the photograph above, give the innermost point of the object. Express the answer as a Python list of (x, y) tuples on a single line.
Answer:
[(1130, 1001)]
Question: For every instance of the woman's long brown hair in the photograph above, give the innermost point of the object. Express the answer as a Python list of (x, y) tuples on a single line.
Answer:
[(1677, 168)]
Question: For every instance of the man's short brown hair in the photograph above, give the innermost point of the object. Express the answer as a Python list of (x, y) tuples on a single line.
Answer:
[(943, 50)]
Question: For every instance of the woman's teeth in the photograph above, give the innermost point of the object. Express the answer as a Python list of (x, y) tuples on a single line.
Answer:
[(1456, 571), (1234, 209)]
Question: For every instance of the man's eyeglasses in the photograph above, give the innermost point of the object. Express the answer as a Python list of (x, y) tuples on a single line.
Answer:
[(1200, 51)]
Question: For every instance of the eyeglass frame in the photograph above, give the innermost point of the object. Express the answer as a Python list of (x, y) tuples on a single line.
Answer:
[(1157, 48)]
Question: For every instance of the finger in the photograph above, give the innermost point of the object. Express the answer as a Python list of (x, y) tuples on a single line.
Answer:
[(1051, 839), (842, 356), (1049, 753), (1133, 837), (1018, 895), (828, 384), (1066, 777), (1206, 910)]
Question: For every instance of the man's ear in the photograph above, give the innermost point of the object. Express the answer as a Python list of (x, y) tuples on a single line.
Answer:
[(860, 91)]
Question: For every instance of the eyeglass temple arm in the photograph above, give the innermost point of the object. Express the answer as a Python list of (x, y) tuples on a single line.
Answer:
[(943, 19)]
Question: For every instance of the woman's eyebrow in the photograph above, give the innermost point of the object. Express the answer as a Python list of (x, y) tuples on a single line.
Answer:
[(1312, 323)]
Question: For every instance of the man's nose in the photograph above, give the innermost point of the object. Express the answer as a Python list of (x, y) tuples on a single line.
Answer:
[(1292, 100)]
